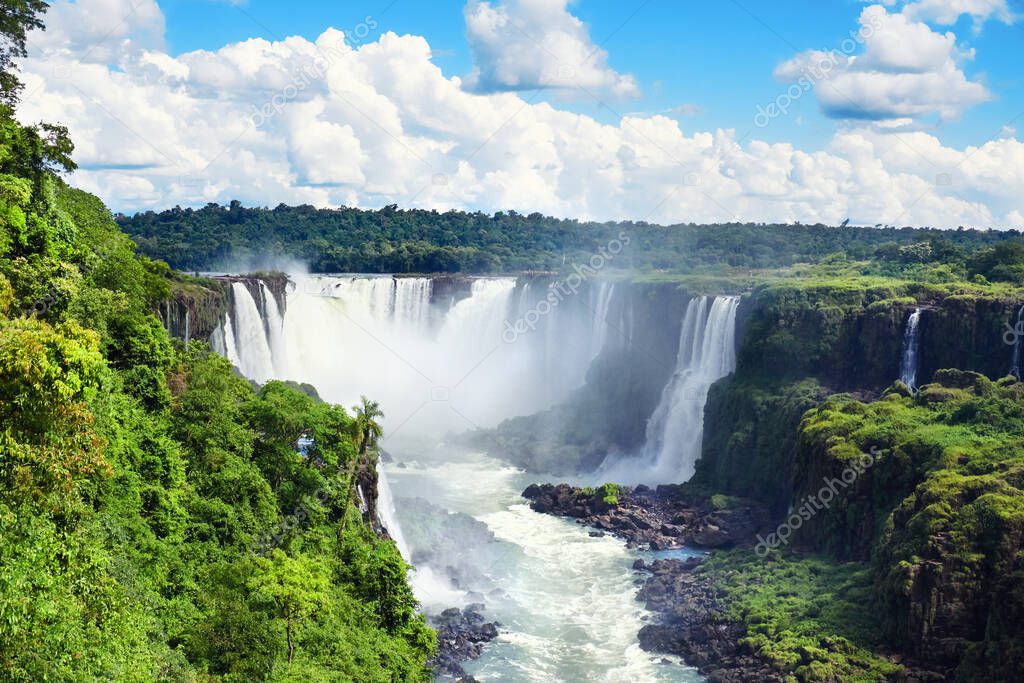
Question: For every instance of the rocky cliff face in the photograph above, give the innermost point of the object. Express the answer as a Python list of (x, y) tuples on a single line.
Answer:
[(967, 333), (193, 311), (197, 305), (801, 343)]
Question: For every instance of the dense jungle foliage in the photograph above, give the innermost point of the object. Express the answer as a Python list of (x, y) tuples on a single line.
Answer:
[(156, 521), (393, 240)]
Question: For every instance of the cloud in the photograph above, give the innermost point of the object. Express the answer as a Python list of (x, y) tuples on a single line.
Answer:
[(948, 12), (906, 71), (326, 123), (530, 44), (101, 31)]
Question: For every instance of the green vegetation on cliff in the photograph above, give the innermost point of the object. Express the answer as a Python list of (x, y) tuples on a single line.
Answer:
[(810, 617), (940, 514), (919, 548), (156, 521)]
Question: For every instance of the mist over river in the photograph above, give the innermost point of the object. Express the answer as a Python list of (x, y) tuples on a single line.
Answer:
[(440, 358)]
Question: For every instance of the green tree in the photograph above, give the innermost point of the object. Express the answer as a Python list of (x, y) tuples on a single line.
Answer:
[(296, 587), (17, 18), (367, 428)]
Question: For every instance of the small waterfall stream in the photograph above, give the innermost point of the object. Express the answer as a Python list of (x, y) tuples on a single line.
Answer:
[(1018, 346), (387, 513), (909, 361)]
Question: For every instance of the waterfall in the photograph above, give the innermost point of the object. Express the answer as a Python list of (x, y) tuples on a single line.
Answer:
[(675, 429), (435, 366), (273, 324), (911, 342), (1018, 333), (387, 514), (600, 325), (412, 301), (252, 348)]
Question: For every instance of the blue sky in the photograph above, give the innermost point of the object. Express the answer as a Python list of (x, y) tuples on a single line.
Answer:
[(901, 112), (717, 56)]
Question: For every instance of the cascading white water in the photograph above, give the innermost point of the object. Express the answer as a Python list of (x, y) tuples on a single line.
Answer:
[(388, 514), (412, 301), (222, 341), (707, 353), (1018, 345), (273, 322), (911, 344), (252, 348)]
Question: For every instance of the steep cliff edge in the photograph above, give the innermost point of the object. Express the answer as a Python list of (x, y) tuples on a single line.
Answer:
[(804, 340), (197, 305)]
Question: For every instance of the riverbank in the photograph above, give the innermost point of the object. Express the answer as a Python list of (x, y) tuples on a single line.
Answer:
[(691, 620), (732, 615)]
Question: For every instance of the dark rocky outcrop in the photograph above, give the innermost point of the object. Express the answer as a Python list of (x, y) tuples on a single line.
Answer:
[(193, 310), (461, 637), (655, 519)]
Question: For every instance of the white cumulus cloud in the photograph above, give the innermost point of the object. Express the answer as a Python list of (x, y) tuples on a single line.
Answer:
[(530, 44), (906, 71)]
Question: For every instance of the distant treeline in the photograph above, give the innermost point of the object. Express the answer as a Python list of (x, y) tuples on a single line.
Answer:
[(397, 240)]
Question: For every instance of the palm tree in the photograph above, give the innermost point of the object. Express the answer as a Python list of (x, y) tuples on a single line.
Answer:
[(366, 430)]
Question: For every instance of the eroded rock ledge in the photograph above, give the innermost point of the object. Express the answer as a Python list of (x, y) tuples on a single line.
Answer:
[(655, 519)]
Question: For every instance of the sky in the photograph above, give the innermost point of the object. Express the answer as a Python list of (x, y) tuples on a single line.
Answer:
[(902, 112)]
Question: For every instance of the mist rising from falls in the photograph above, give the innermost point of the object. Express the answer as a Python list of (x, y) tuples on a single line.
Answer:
[(911, 344), (707, 353), (439, 355)]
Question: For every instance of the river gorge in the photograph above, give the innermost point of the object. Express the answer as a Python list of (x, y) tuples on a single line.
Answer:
[(491, 384)]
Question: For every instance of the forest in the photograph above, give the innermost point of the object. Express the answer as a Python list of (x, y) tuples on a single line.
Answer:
[(156, 519), (393, 240)]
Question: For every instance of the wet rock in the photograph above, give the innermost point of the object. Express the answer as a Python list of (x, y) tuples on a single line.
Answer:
[(657, 519), (461, 636)]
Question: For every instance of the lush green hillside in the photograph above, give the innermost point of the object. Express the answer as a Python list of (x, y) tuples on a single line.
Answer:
[(156, 521)]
